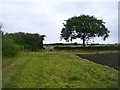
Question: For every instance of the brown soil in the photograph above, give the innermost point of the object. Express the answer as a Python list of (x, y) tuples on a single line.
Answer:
[(110, 60)]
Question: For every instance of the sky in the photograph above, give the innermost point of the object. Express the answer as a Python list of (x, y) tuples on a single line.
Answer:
[(46, 17)]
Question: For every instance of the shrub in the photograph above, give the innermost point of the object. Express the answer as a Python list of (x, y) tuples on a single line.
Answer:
[(9, 48), (31, 42), (15, 42)]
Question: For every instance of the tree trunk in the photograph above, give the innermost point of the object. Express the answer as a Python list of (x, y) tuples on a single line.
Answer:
[(83, 42)]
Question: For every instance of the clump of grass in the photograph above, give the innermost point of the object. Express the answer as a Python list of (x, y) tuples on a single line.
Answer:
[(74, 78)]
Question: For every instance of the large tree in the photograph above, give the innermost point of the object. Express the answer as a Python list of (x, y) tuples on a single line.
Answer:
[(84, 27)]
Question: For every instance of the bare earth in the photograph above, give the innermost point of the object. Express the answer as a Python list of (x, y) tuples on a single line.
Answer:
[(110, 60)]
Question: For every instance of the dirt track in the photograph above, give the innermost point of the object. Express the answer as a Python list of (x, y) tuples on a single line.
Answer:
[(110, 60)]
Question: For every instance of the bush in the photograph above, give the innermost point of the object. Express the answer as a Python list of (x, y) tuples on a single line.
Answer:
[(15, 42), (9, 48), (31, 42)]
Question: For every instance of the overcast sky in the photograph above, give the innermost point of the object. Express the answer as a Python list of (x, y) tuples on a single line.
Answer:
[(46, 17)]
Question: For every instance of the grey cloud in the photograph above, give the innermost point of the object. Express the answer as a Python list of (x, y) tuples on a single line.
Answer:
[(47, 18)]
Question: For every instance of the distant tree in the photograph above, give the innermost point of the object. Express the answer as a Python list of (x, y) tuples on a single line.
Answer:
[(75, 43), (84, 27), (41, 40)]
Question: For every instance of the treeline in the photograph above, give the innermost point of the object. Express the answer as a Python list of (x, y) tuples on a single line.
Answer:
[(90, 48), (54, 44), (68, 44), (12, 43)]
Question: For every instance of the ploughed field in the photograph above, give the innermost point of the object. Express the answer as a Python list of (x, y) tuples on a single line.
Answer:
[(109, 59), (56, 70)]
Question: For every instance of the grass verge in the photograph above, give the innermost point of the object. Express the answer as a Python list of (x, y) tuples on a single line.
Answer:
[(56, 70)]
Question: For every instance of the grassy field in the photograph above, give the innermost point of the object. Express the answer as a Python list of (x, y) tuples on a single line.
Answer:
[(56, 70)]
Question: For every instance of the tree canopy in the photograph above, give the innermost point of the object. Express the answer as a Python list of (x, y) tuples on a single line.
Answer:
[(84, 27)]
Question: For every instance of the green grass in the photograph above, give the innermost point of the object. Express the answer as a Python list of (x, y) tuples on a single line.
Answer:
[(56, 70)]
